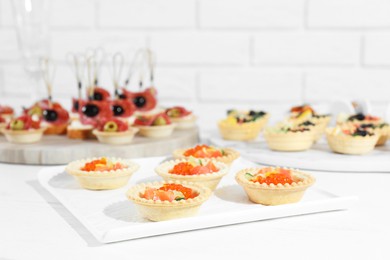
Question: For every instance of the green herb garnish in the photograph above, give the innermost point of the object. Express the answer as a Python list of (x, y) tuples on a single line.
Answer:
[(248, 176)]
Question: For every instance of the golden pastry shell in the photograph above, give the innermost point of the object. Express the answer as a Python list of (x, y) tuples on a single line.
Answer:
[(74, 168), (134, 192), (209, 180), (347, 144), (228, 158), (305, 180), (259, 123)]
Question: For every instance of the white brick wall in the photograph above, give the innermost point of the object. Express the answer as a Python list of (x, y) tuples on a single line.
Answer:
[(72, 14), (251, 14), (63, 42), (308, 49), (198, 48), (6, 14), (147, 14), (250, 85), (244, 53), (8, 43), (349, 14), (377, 51), (373, 84)]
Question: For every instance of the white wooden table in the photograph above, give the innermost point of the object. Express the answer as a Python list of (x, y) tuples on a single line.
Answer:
[(34, 225)]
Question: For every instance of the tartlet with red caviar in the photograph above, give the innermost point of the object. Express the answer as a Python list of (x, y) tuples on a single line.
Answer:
[(159, 201), (154, 126), (114, 131), (24, 130), (225, 155), (183, 118), (274, 186), (205, 172), (102, 173)]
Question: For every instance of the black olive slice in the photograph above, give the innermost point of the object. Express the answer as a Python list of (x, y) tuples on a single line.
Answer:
[(118, 110), (90, 110), (50, 115), (97, 96), (139, 101)]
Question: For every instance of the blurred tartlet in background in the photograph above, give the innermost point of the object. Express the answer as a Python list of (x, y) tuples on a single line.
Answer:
[(242, 125)]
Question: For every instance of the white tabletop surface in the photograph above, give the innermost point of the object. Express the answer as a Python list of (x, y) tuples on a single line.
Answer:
[(34, 225)]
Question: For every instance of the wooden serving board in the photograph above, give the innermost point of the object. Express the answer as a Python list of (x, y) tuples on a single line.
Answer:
[(55, 150)]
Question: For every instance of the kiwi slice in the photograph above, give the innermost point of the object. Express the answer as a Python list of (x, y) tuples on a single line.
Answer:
[(110, 126), (17, 125), (159, 121)]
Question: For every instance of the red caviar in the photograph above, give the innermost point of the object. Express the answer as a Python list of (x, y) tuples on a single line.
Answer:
[(274, 176), (186, 168), (203, 151), (187, 192), (167, 192), (102, 164)]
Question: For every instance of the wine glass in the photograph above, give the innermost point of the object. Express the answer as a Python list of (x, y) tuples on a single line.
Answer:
[(32, 26)]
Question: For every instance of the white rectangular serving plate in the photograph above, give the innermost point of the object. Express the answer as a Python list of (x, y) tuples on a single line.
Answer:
[(110, 217)]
